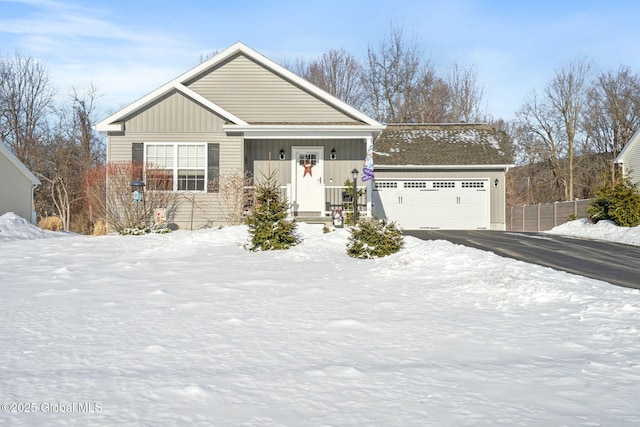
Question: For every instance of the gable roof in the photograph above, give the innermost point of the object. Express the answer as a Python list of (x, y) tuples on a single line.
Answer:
[(628, 148), (114, 122), (18, 164), (450, 144)]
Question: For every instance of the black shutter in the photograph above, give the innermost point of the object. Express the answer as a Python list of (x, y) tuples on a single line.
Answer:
[(137, 158), (213, 167)]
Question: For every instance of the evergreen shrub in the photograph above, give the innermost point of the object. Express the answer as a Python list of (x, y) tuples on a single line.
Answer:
[(373, 238), (269, 227), (619, 203)]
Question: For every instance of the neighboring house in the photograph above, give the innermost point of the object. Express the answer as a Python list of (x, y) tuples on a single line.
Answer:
[(629, 158), (441, 176), (16, 186), (240, 111)]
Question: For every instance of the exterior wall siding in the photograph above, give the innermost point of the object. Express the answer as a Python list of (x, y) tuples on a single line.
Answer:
[(15, 190), (175, 118), (174, 113), (632, 162), (350, 153), (247, 90)]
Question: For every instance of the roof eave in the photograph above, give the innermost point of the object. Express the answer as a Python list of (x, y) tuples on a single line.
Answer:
[(319, 131), (472, 167), (627, 147), (19, 165)]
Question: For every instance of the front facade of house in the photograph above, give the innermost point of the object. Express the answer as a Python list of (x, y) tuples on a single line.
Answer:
[(241, 112), (16, 186), (629, 159)]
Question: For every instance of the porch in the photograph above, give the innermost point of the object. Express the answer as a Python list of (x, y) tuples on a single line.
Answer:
[(315, 175), (336, 198)]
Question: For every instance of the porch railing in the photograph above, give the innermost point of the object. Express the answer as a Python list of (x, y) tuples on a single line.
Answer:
[(336, 198)]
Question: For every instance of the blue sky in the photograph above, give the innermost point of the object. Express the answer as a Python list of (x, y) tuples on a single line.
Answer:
[(128, 48)]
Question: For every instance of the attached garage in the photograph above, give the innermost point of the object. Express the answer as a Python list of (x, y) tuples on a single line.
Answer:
[(434, 204), (441, 176)]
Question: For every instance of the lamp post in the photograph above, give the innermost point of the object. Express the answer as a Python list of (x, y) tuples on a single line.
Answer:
[(354, 172), (138, 196)]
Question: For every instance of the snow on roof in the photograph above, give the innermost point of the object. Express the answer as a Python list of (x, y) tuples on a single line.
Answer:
[(441, 144)]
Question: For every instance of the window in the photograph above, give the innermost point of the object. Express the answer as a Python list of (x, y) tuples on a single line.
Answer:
[(473, 184), (386, 184), (303, 158), (415, 184), (444, 184), (176, 167)]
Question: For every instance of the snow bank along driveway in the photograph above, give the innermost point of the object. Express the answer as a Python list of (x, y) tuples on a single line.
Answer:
[(189, 328)]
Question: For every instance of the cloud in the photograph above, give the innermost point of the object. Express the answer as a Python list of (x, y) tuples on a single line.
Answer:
[(83, 45)]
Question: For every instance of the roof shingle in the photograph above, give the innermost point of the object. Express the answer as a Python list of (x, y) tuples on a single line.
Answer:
[(440, 144)]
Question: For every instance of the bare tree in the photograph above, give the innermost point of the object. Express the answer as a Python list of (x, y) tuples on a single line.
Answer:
[(432, 99), (108, 190), (568, 95), (612, 115), (338, 73), (26, 97), (554, 122), (465, 95), (393, 77), (234, 195), (84, 106)]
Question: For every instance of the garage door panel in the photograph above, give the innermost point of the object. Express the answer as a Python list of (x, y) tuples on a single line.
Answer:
[(452, 204)]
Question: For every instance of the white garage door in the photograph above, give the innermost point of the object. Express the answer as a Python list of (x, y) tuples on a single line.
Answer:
[(448, 204)]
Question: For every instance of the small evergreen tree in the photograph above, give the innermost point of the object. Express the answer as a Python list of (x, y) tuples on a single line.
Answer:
[(268, 224), (619, 202), (373, 238), (348, 206)]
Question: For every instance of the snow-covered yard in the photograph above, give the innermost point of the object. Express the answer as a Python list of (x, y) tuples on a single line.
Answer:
[(190, 329)]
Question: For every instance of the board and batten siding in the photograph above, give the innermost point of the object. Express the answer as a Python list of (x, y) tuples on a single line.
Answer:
[(496, 194), (257, 95), (174, 112), (262, 157)]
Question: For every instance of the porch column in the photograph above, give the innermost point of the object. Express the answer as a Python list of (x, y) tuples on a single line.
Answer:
[(369, 142)]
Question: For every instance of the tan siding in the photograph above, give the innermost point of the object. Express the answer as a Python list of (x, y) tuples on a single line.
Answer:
[(174, 113), (15, 190), (207, 210), (256, 95)]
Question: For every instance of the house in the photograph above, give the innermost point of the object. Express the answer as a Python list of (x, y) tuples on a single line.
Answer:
[(629, 158), (240, 111), (16, 186), (441, 176)]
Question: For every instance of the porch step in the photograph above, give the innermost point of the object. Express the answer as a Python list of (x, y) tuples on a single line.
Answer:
[(314, 219)]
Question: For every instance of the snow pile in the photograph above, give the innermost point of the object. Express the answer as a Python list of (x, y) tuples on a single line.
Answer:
[(14, 227), (189, 328), (602, 230)]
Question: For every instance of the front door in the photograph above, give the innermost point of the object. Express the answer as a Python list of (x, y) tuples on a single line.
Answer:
[(307, 180)]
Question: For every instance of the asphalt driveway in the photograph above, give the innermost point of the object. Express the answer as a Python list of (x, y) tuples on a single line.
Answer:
[(616, 263)]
